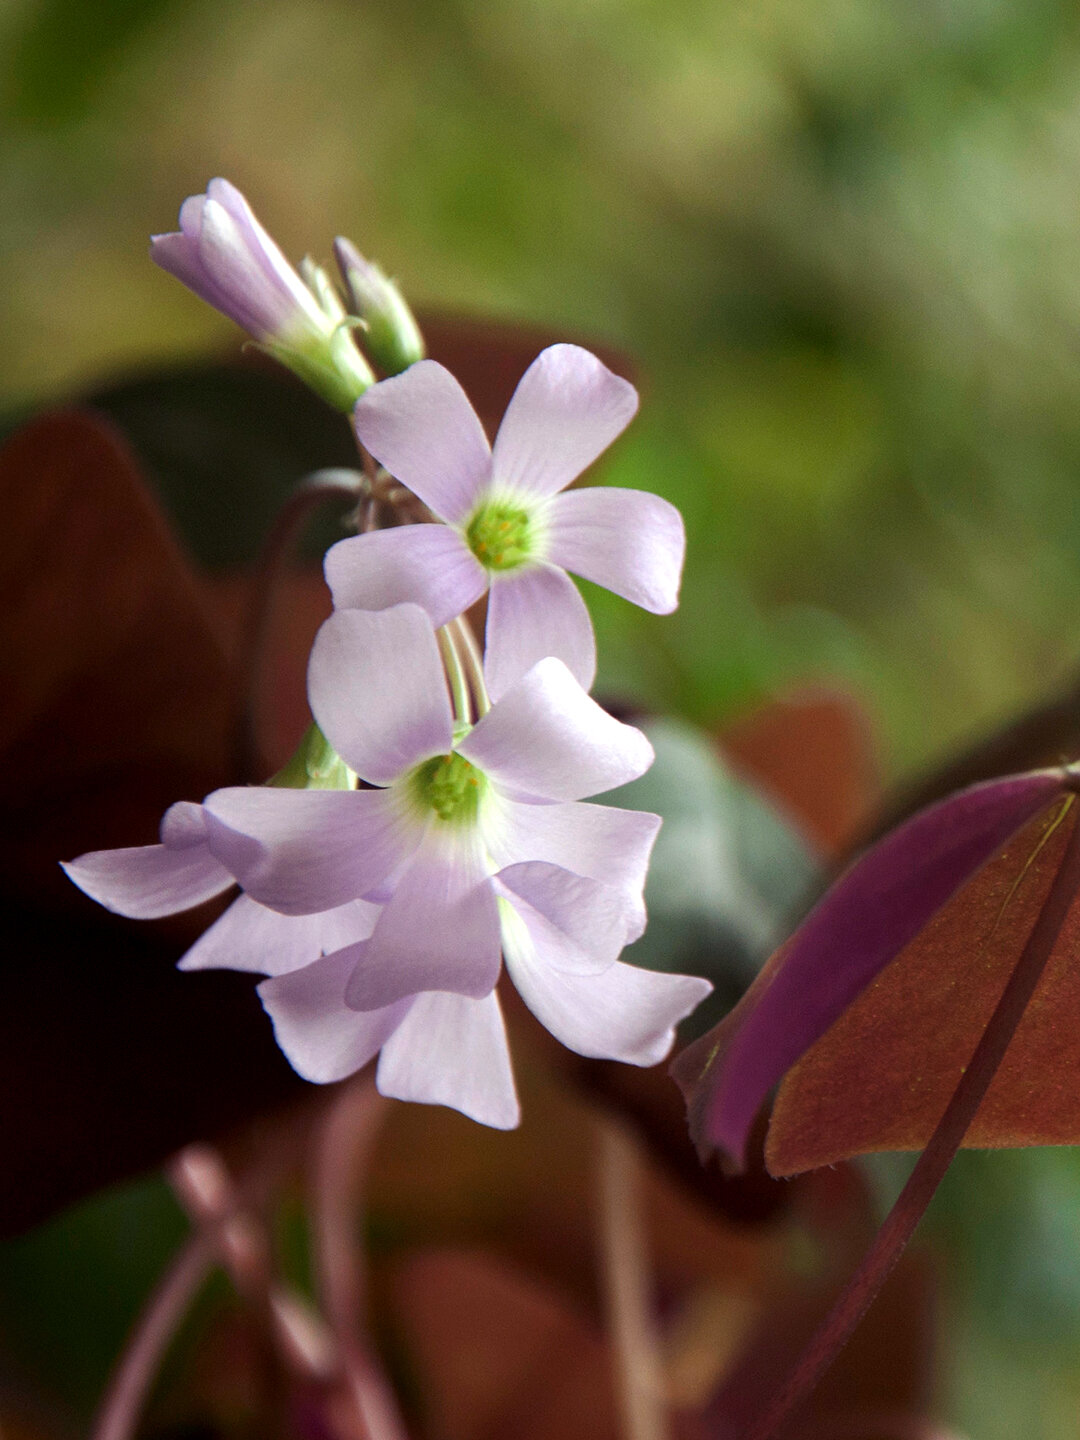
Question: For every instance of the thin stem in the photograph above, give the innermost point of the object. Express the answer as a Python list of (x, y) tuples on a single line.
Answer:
[(900, 1223), (205, 1189), (308, 496), (343, 1151), (474, 665), (459, 690), (130, 1384), (627, 1288)]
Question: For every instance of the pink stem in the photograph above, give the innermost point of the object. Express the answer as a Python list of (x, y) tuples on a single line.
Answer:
[(341, 1160), (203, 1185), (130, 1384), (900, 1223)]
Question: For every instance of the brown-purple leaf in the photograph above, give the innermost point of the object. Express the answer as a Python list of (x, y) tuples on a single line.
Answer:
[(117, 700), (882, 1075), (877, 908)]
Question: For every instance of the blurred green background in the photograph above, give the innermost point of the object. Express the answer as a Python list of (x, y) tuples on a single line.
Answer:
[(841, 238)]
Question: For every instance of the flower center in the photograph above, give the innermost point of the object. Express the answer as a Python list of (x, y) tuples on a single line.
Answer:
[(451, 787), (500, 535)]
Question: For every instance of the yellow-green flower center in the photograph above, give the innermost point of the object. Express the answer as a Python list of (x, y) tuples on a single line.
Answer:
[(500, 535), (451, 787)]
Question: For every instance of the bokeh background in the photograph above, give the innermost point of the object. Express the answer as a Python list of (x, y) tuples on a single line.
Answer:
[(841, 241), (840, 238)]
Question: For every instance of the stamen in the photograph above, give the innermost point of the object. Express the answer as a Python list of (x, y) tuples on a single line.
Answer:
[(451, 787), (500, 535)]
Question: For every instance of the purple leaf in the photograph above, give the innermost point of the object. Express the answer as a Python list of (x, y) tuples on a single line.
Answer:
[(873, 911)]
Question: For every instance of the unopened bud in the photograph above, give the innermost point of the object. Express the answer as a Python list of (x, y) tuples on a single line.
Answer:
[(391, 335), (224, 255)]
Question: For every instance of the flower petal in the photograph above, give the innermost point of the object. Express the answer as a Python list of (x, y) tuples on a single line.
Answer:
[(249, 297), (450, 1050), (246, 265), (533, 613), (250, 937), (224, 255), (566, 410), (184, 825), (629, 541), (864, 921), (301, 851), (323, 1039), (577, 924), (147, 881), (622, 1013), (377, 689), (428, 565), (191, 213), (439, 930), (178, 255), (597, 841), (261, 247), (421, 426), (546, 738)]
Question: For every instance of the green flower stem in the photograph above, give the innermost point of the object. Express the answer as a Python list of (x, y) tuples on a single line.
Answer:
[(455, 674), (474, 665)]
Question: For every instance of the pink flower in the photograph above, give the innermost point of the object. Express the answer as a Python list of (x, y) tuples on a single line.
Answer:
[(507, 526), (476, 847)]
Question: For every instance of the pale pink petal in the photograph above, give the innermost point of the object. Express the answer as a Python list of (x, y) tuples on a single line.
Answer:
[(578, 924), (421, 426), (428, 565), (323, 1039), (566, 411), (439, 930), (224, 255), (148, 881), (629, 541), (533, 613), (184, 824), (250, 937), (546, 738), (622, 1013), (257, 302), (300, 851), (450, 1050), (598, 841), (178, 254), (191, 213), (377, 688), (263, 248)]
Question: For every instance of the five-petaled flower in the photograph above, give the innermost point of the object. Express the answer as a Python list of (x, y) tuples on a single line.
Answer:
[(508, 528), (476, 846)]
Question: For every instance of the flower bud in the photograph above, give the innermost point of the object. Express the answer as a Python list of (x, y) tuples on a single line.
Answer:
[(224, 255), (392, 336)]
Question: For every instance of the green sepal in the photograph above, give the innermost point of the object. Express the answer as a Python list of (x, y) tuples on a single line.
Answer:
[(340, 385), (314, 765)]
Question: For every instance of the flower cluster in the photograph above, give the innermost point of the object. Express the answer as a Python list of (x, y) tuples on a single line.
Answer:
[(447, 830)]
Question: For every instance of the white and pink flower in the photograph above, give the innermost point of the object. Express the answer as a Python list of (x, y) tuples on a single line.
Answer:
[(383, 914), (511, 527)]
